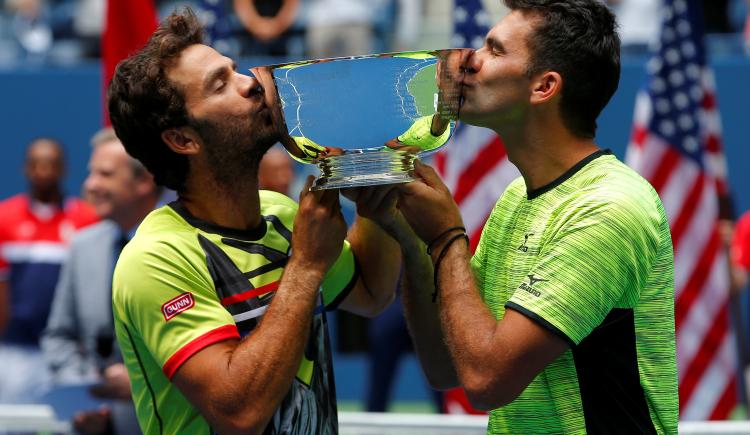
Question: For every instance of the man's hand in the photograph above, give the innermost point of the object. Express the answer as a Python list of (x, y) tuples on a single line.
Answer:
[(377, 203), (319, 228), (93, 422), (427, 204), (115, 385)]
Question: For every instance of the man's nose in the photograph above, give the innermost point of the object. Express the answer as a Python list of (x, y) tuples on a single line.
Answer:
[(90, 183), (474, 62), (249, 86)]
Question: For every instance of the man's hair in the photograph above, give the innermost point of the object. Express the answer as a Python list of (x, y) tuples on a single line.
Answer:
[(107, 135), (578, 39), (50, 140), (143, 102)]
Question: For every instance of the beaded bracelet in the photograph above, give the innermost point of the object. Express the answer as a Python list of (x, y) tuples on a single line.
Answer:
[(443, 252)]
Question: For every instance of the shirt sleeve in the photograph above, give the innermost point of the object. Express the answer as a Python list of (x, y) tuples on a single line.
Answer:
[(741, 243), (162, 294), (597, 257), (478, 259), (341, 278)]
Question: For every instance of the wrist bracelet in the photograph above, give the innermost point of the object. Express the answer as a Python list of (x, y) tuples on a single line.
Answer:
[(443, 252), (440, 236)]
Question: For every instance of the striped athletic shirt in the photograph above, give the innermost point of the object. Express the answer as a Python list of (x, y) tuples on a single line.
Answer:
[(183, 284), (589, 257)]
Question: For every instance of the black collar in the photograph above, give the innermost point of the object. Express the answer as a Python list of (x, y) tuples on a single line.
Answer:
[(531, 194), (256, 233)]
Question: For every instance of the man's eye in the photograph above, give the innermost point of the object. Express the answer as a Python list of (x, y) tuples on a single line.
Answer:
[(220, 86)]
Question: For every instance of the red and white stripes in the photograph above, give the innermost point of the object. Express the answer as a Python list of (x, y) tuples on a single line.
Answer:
[(690, 192)]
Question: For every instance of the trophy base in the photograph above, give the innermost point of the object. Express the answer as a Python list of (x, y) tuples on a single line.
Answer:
[(364, 168)]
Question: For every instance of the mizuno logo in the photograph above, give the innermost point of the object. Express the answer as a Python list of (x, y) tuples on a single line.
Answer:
[(533, 280), (530, 286)]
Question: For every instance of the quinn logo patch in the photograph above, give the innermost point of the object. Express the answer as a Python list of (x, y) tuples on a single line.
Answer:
[(177, 305)]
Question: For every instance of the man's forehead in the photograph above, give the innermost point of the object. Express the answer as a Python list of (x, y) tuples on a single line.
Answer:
[(514, 29), (111, 152), (193, 62), (44, 148)]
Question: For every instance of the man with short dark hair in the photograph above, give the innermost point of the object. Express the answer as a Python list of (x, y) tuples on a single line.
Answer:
[(220, 298), (563, 320), (79, 341), (34, 232)]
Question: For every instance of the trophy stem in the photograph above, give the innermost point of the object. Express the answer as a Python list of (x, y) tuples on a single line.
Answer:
[(364, 168)]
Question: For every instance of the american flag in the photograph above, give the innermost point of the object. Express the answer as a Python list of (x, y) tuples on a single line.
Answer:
[(474, 165), (676, 145)]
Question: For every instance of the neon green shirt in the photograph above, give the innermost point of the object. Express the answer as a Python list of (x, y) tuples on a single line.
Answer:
[(183, 284), (589, 257)]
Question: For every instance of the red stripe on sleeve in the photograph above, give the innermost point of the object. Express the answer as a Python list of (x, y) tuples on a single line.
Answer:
[(268, 288), (221, 333)]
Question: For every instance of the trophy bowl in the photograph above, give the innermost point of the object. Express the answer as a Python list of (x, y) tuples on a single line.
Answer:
[(363, 120)]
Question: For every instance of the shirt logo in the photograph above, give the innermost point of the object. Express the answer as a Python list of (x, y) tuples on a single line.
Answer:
[(533, 280), (177, 305), (523, 247), (529, 288)]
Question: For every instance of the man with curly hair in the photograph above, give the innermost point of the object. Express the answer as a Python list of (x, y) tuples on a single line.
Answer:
[(220, 299)]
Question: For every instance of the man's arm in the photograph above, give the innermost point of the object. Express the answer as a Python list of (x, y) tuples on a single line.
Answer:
[(495, 361), (59, 340), (379, 205), (238, 384), (376, 252), (422, 315)]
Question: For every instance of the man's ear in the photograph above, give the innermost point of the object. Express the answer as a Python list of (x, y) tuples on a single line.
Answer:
[(545, 87), (181, 140)]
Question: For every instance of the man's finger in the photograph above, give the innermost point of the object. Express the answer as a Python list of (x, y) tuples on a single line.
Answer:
[(390, 198), (427, 173), (307, 186), (410, 188), (378, 194), (330, 198)]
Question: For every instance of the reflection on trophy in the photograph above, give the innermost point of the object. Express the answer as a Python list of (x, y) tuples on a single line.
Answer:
[(363, 120)]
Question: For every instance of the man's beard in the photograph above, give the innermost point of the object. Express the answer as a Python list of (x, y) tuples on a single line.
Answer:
[(233, 153)]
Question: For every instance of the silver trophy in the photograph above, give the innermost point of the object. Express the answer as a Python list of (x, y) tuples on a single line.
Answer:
[(363, 120)]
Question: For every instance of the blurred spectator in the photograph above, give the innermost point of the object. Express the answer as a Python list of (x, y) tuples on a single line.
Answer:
[(744, 9), (639, 23), (88, 24), (79, 342), (341, 27), (740, 253), (408, 20), (276, 171), (269, 23), (716, 16), (34, 233), (31, 27)]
